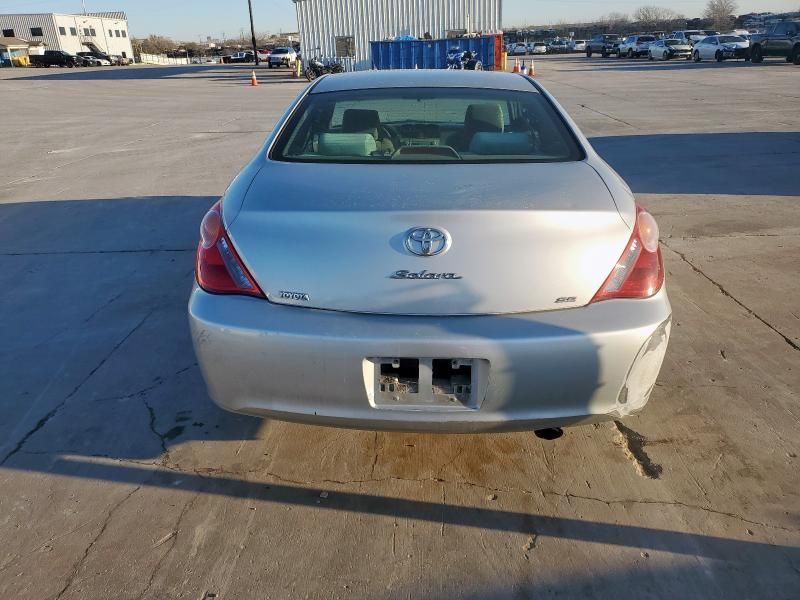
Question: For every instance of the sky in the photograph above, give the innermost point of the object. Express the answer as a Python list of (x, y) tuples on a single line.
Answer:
[(191, 20)]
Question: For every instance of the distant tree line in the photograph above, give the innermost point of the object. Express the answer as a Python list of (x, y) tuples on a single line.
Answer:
[(159, 44), (718, 14)]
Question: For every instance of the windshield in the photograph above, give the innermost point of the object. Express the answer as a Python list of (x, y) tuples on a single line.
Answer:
[(646, 38), (730, 39), (281, 51), (426, 125), (674, 43)]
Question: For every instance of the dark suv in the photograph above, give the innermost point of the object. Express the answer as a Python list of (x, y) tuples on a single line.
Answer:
[(55, 58), (605, 45), (782, 39)]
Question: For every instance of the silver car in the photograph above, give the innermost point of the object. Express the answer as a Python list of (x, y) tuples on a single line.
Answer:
[(720, 47), (429, 251)]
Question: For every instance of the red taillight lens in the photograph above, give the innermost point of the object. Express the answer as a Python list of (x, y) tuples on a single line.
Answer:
[(218, 268), (639, 273)]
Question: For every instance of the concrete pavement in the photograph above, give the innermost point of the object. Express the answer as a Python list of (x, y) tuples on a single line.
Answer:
[(119, 478)]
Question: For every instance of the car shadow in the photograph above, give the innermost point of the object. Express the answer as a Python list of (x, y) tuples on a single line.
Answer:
[(751, 163)]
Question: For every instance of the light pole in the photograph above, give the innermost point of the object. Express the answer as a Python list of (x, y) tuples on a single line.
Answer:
[(253, 31)]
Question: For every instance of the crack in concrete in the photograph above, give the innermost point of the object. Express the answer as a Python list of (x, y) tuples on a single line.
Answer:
[(102, 306), (736, 236), (158, 382), (618, 120), (566, 495), (726, 293), (152, 424), (52, 413), (173, 542), (205, 472), (106, 521)]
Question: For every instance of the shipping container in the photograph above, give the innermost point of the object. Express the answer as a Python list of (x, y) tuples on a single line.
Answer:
[(432, 54), (345, 28)]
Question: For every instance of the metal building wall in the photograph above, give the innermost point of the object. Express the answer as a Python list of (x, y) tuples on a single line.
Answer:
[(320, 21), (21, 24)]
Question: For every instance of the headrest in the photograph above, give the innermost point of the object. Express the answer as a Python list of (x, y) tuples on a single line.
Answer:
[(500, 144), (484, 117), (347, 144), (355, 120)]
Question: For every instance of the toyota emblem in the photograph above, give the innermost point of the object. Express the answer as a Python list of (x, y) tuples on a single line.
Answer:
[(428, 241)]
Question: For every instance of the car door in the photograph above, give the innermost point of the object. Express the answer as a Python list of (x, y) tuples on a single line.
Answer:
[(777, 42), (707, 48)]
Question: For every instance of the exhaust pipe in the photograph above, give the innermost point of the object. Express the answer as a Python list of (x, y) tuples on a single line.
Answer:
[(549, 434)]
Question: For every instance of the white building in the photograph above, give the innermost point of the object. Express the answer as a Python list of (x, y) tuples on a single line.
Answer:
[(344, 28), (103, 32)]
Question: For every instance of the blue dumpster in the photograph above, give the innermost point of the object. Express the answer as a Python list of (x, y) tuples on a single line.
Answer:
[(429, 54)]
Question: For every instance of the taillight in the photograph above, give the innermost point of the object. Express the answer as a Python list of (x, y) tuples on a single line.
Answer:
[(639, 273), (218, 268)]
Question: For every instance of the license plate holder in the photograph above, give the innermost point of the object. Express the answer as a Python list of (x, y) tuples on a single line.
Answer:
[(420, 383)]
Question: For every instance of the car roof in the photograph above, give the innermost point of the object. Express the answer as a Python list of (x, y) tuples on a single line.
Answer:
[(423, 78)]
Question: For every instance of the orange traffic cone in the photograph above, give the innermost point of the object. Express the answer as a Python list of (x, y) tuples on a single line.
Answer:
[(532, 70), (516, 65), (253, 80)]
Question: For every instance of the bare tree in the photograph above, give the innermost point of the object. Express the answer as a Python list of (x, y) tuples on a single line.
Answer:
[(721, 13), (613, 21), (656, 17), (154, 44)]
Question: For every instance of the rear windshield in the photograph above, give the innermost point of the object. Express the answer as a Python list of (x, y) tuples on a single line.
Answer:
[(426, 125), (646, 38)]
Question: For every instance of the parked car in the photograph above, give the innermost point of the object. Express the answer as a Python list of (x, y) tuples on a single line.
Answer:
[(669, 49), (720, 47), (782, 39), (96, 59), (242, 57), (740, 32), (605, 45), (120, 61), (263, 55), (518, 49), (558, 47), (466, 307), (55, 58), (282, 57), (635, 46), (689, 36), (578, 45), (540, 48)]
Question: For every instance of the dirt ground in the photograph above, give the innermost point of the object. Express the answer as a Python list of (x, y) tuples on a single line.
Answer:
[(120, 479)]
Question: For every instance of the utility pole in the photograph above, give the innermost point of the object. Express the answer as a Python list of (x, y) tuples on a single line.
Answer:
[(253, 31)]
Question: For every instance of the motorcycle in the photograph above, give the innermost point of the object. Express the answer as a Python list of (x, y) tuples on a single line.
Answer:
[(316, 68), (463, 59)]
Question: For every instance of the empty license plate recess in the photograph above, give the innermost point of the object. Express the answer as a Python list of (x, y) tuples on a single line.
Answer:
[(418, 383)]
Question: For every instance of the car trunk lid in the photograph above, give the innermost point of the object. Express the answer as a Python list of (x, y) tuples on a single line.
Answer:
[(525, 237)]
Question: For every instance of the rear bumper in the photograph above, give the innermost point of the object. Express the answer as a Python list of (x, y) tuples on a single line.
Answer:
[(544, 369)]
